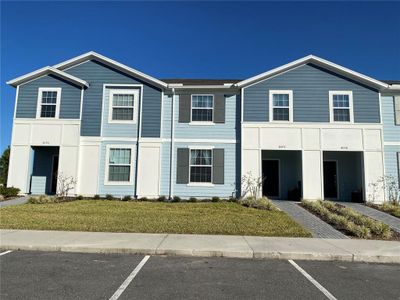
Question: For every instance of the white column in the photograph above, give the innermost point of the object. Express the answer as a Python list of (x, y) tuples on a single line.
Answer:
[(21, 159), (312, 175), (373, 176)]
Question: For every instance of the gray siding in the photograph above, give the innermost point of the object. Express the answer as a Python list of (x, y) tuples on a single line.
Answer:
[(28, 96), (97, 74), (391, 131), (311, 86)]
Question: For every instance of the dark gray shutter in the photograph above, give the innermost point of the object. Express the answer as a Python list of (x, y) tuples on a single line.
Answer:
[(218, 166), (182, 165), (397, 110), (219, 108), (184, 108)]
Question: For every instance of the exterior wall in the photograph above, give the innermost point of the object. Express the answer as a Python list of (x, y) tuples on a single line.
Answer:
[(28, 97), (391, 161), (97, 74), (311, 86)]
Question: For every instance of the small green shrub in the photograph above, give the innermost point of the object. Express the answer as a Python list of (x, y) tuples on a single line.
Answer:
[(9, 191), (127, 198), (232, 199), (192, 199), (79, 197), (143, 199), (109, 197), (215, 199), (42, 199), (96, 197), (162, 199), (259, 203), (176, 199)]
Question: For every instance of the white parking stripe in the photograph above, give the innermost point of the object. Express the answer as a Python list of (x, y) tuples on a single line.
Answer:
[(5, 252), (128, 280), (313, 281)]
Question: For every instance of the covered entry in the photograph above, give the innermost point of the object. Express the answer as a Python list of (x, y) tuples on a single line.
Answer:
[(343, 175), (281, 172), (44, 170)]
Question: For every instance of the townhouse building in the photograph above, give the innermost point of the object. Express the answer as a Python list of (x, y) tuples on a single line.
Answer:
[(311, 129)]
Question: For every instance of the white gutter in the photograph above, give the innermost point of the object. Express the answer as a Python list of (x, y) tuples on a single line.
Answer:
[(171, 152)]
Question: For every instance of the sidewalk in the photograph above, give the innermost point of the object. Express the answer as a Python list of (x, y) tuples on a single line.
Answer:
[(202, 245)]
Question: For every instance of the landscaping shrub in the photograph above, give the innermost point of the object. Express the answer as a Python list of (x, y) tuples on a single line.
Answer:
[(9, 191), (79, 197), (143, 199), (192, 199), (162, 199), (390, 208), (176, 199), (42, 199), (109, 197), (127, 198), (96, 197), (259, 203), (215, 199)]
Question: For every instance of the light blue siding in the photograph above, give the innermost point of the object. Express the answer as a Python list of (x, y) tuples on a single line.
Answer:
[(115, 190), (311, 86), (28, 95), (391, 132), (391, 163), (165, 169), (97, 74), (128, 130), (227, 130), (166, 116), (225, 190)]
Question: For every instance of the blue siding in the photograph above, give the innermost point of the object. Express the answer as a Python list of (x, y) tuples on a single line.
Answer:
[(115, 190), (391, 132), (166, 116), (128, 130), (391, 164), (28, 96), (165, 167), (311, 86), (97, 74), (227, 130), (220, 190)]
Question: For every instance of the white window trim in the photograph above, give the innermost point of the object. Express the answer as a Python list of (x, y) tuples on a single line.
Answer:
[(135, 93), (350, 94), (195, 183), (191, 111), (271, 105), (107, 164), (39, 102)]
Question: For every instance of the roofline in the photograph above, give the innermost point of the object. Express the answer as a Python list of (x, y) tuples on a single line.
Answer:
[(191, 87), (93, 55), (43, 71), (312, 58)]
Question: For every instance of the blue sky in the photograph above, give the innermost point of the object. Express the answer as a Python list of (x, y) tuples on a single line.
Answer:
[(197, 40)]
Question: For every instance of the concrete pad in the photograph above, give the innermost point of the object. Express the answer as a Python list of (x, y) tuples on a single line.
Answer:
[(104, 242), (370, 250), (296, 248), (205, 245)]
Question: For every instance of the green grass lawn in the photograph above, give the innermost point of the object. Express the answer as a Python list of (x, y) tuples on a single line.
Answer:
[(151, 217)]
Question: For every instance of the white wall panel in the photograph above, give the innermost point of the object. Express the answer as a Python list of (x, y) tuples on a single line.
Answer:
[(20, 160), (372, 139), (311, 140), (149, 171), (312, 177), (70, 135), (46, 135), (250, 138), (373, 166), (281, 138), (342, 139), (21, 134), (68, 159), (88, 176)]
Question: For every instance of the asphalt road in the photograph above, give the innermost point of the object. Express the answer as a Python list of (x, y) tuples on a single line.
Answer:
[(61, 275)]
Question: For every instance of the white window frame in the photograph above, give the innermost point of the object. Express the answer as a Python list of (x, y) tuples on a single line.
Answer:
[(350, 108), (271, 105), (135, 93), (195, 183), (191, 111), (107, 164), (39, 102)]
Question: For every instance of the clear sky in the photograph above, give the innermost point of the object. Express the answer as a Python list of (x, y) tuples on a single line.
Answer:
[(197, 40)]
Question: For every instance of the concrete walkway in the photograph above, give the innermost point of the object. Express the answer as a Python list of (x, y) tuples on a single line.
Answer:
[(16, 201), (203, 245), (317, 227), (388, 219)]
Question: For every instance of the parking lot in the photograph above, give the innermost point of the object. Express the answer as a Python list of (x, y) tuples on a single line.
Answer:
[(62, 275)]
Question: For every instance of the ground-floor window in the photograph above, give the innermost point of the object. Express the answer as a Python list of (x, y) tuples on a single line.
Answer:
[(201, 165), (119, 165)]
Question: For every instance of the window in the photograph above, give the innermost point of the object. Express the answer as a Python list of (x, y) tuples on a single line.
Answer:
[(341, 106), (48, 103), (200, 165), (119, 165), (123, 106), (281, 106), (202, 108)]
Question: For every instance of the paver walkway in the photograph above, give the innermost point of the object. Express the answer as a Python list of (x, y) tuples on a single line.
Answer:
[(15, 201), (390, 220), (317, 227)]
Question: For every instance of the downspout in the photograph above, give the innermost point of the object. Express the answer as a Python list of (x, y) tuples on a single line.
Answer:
[(139, 129), (171, 152)]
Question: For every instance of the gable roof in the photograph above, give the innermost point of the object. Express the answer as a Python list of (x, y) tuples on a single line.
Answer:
[(319, 62), (44, 71), (187, 81), (110, 62)]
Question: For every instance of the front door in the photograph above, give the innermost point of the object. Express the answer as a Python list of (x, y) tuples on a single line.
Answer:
[(330, 179), (270, 171)]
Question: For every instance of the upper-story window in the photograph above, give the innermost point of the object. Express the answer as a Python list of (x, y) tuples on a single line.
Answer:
[(123, 106), (341, 106), (201, 165), (48, 103), (202, 108), (281, 106), (119, 165)]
